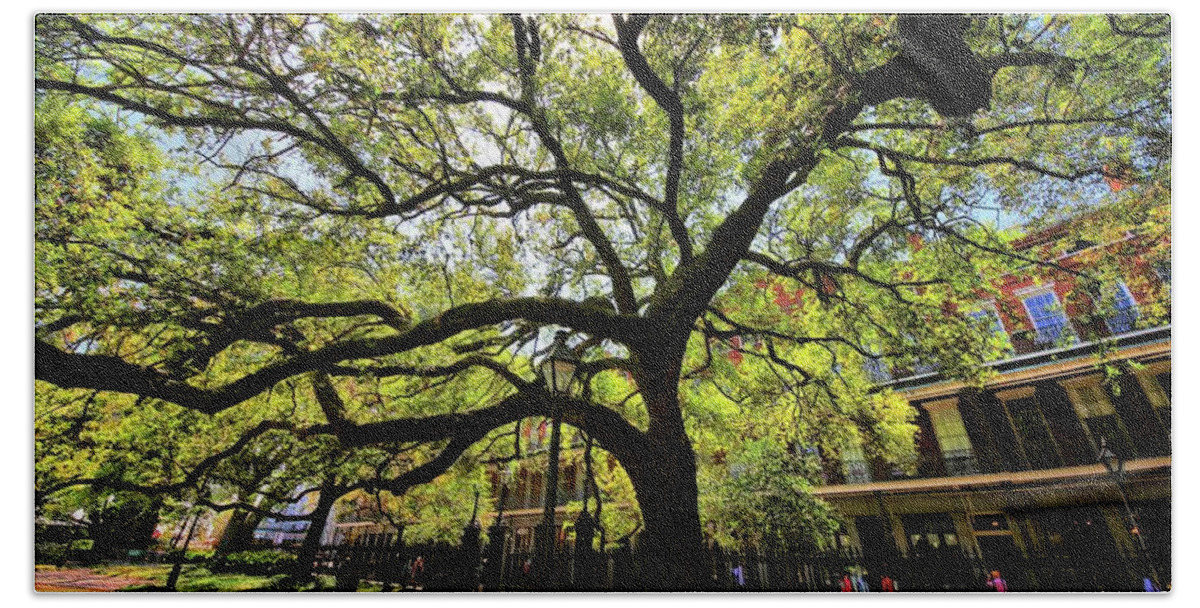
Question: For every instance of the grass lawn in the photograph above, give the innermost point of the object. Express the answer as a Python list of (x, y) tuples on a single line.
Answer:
[(199, 578)]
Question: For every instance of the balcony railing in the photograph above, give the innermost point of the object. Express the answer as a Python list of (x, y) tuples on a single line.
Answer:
[(960, 462)]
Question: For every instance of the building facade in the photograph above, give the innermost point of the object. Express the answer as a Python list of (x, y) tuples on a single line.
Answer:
[(525, 495), (1056, 472), (287, 532)]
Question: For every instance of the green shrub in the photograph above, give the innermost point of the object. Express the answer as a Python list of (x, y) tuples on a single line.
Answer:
[(50, 553), (262, 562), (194, 556)]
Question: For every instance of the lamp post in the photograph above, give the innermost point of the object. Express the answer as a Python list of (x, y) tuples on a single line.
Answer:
[(585, 529), (558, 371), (1116, 469), (496, 536), (468, 575), (585, 532)]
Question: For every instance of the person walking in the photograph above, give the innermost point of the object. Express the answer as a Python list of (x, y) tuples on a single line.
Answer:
[(847, 584), (995, 583), (887, 584), (416, 574), (739, 575), (860, 583)]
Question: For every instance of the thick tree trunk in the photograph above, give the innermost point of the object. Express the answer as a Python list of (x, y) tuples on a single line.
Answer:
[(238, 534), (312, 539), (671, 546)]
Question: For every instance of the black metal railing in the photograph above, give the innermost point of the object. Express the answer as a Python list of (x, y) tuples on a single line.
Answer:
[(386, 562)]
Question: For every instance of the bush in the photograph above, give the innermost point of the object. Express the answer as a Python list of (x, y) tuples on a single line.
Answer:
[(50, 553), (196, 556), (83, 551), (83, 544), (262, 563)]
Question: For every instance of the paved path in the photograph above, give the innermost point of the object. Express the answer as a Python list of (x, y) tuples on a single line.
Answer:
[(81, 579)]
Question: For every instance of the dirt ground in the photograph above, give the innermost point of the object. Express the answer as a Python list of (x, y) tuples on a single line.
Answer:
[(80, 579)]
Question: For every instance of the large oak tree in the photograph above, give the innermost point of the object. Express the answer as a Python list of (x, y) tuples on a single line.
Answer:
[(397, 209)]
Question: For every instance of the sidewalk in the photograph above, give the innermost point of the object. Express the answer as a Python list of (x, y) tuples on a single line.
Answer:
[(80, 579)]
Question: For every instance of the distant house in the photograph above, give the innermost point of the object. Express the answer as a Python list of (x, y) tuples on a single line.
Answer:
[(525, 498), (286, 532), (356, 519)]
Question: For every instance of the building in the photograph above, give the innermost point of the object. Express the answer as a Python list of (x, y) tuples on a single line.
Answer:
[(525, 496), (287, 532), (1057, 472)]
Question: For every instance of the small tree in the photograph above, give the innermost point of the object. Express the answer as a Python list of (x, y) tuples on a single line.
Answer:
[(764, 501)]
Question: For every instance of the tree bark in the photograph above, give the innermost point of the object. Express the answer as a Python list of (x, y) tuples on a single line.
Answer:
[(671, 545), (238, 533), (664, 478), (312, 540)]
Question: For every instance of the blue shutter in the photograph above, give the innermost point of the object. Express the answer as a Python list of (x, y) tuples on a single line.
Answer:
[(1049, 320), (1124, 313)]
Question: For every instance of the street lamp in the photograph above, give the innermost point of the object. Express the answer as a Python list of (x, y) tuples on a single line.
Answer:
[(558, 368), (585, 528), (496, 533), (1115, 464), (471, 548), (1116, 469), (558, 371)]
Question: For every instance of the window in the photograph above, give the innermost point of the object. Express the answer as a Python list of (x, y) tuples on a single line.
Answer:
[(1029, 425), (1124, 313), (917, 365), (929, 533), (1050, 322), (952, 437), (538, 435), (1098, 415), (922, 367), (569, 487), (877, 370), (1155, 380), (987, 316), (522, 540), (520, 498), (854, 463)]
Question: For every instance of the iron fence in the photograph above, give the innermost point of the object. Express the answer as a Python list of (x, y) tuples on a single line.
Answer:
[(384, 560)]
